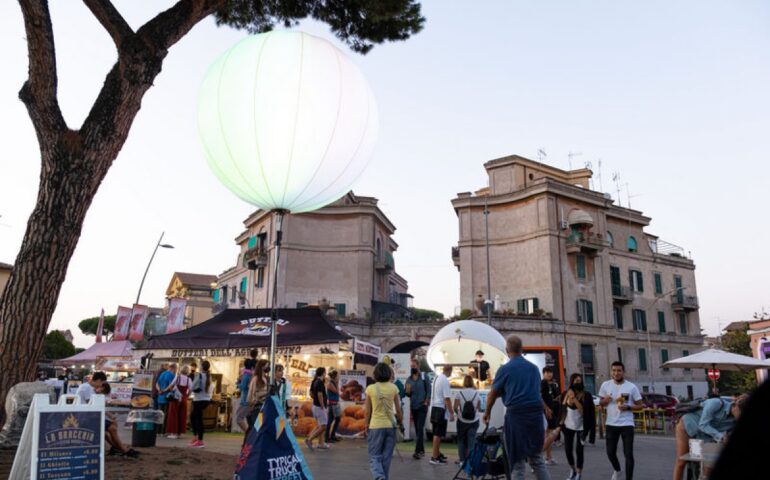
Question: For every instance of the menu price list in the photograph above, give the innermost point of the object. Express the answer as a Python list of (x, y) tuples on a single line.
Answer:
[(70, 463)]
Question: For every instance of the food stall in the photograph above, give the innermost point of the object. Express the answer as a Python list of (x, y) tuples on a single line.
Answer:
[(306, 341), (456, 345)]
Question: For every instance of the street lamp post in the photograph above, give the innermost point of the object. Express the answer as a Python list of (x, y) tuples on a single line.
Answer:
[(488, 302), (158, 245), (649, 342)]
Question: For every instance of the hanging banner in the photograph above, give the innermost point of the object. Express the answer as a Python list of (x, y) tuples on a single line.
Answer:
[(175, 319), (116, 364), (100, 327), (122, 322), (271, 451), (138, 317)]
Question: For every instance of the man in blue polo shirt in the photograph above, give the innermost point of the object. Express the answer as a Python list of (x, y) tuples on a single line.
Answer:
[(517, 383)]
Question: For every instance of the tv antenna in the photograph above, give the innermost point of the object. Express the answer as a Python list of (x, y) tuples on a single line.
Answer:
[(570, 156), (628, 194), (616, 179), (599, 175), (541, 155)]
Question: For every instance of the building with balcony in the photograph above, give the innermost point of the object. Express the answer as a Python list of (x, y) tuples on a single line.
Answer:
[(198, 290), (340, 255), (585, 270)]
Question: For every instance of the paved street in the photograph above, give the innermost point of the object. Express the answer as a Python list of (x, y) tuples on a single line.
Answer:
[(347, 460)]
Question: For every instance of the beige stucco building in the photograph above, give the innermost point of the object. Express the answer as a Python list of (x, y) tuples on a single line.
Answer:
[(571, 268), (197, 289), (341, 254)]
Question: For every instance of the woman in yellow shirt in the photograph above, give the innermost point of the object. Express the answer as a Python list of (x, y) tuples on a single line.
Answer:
[(383, 416)]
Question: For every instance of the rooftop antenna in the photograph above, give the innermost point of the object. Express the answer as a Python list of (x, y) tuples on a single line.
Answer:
[(629, 196), (571, 155), (616, 179), (541, 154)]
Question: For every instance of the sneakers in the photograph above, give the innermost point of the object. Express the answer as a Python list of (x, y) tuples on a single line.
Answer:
[(131, 453), (572, 475), (437, 461), (173, 437), (323, 447), (616, 475), (198, 444), (550, 461), (442, 456), (416, 456)]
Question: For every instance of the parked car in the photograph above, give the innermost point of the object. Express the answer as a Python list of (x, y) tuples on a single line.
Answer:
[(657, 400)]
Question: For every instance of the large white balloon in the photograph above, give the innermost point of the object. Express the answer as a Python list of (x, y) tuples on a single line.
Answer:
[(287, 121)]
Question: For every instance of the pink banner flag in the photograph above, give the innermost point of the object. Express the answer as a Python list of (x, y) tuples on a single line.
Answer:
[(138, 317), (100, 327), (122, 322), (175, 320)]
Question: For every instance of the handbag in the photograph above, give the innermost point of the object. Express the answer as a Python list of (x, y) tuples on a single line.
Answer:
[(397, 426), (174, 395)]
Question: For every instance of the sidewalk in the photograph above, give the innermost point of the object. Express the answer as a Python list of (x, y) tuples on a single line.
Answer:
[(347, 460)]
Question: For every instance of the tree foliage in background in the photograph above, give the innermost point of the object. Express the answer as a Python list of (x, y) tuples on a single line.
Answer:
[(737, 341), (426, 314), (89, 325), (55, 346), (75, 159)]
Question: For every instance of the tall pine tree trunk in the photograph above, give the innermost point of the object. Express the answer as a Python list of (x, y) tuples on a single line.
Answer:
[(74, 163)]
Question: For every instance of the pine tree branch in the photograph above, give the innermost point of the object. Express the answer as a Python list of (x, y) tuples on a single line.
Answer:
[(39, 90), (111, 20), (170, 26)]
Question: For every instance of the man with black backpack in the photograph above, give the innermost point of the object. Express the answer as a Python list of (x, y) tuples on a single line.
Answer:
[(418, 391), (467, 405)]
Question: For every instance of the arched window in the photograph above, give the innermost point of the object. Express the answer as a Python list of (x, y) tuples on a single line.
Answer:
[(610, 239), (632, 244)]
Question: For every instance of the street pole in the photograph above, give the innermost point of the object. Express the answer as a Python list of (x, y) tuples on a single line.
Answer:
[(279, 215), (158, 245), (488, 303)]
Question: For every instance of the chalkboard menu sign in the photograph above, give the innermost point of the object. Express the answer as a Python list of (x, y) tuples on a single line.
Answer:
[(62, 441), (68, 445)]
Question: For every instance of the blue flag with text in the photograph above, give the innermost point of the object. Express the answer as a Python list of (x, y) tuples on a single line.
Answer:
[(271, 451)]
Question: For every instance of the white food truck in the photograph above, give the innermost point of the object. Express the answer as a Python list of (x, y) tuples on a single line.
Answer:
[(456, 345)]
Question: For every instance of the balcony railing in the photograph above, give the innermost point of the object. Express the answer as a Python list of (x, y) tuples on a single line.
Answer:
[(684, 302), (621, 293), (591, 244), (255, 257), (385, 262)]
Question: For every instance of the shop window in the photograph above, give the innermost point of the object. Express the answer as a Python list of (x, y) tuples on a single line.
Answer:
[(580, 261), (632, 247), (640, 320), (527, 305), (617, 317), (658, 284), (585, 311), (260, 277)]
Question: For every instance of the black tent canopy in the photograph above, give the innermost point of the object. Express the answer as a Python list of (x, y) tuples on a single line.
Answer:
[(250, 328)]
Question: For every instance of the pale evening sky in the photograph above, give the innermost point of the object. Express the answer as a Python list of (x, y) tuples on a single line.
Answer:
[(673, 95)]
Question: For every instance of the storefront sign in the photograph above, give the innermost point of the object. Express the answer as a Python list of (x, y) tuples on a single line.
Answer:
[(365, 348), (242, 352), (116, 364), (62, 441), (352, 385), (120, 394), (141, 392)]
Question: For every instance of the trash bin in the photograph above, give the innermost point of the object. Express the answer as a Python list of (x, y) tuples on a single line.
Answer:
[(143, 430)]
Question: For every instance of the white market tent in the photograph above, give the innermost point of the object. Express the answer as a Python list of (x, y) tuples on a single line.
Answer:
[(459, 341), (715, 358)]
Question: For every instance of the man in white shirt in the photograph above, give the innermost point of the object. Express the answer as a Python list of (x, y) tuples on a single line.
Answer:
[(441, 412), (87, 389), (621, 398)]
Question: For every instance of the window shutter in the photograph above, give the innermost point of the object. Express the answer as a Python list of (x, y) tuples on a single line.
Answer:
[(578, 311), (252, 242), (644, 320), (216, 296), (520, 306), (662, 322), (631, 282), (641, 281), (658, 284), (535, 303), (580, 261), (590, 313)]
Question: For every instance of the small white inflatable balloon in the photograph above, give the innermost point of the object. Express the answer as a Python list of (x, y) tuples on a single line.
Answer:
[(287, 121)]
